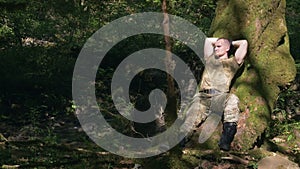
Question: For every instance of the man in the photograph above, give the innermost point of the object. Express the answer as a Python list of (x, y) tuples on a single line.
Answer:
[(213, 101)]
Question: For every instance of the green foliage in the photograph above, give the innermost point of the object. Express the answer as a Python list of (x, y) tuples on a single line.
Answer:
[(39, 44), (6, 31), (284, 116), (298, 67), (13, 2), (293, 24), (198, 12), (253, 165)]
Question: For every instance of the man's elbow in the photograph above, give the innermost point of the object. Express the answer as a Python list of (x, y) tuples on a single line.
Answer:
[(245, 42)]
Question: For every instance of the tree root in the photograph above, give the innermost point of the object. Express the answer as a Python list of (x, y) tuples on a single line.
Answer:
[(235, 158)]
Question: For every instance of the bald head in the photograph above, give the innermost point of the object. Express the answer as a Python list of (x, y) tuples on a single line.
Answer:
[(222, 47), (224, 42)]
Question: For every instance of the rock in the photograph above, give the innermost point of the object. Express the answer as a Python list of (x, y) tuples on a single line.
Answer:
[(276, 162)]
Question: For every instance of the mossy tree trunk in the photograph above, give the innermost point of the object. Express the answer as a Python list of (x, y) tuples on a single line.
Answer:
[(268, 66)]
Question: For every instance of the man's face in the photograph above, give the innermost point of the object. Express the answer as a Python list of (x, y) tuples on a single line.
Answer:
[(221, 47)]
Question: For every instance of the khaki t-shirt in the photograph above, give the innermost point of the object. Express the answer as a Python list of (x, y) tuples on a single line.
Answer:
[(218, 73)]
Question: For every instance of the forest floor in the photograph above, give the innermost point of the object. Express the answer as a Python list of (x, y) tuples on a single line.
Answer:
[(58, 141), (63, 144)]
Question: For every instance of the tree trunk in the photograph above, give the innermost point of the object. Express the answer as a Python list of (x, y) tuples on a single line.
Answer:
[(268, 66), (170, 66)]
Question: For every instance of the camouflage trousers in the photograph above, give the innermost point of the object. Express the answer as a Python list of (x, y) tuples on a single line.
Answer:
[(203, 104)]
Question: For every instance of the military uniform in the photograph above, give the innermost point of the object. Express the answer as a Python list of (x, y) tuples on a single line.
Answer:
[(213, 95)]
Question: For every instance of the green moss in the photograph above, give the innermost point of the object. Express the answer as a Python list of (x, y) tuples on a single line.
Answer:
[(191, 159), (256, 122), (248, 89), (259, 153), (262, 23), (176, 162)]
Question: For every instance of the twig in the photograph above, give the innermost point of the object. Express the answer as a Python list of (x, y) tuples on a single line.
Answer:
[(236, 158), (89, 151)]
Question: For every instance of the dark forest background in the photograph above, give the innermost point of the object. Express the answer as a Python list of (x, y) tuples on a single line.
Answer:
[(39, 44)]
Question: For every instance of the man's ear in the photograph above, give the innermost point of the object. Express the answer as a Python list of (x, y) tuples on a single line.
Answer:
[(213, 44)]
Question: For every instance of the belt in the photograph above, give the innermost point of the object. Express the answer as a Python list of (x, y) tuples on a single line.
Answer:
[(210, 91)]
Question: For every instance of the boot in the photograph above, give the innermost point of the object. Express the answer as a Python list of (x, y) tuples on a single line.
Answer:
[(229, 130)]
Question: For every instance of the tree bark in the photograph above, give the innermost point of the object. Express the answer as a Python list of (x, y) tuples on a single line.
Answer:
[(168, 59), (268, 66), (170, 65)]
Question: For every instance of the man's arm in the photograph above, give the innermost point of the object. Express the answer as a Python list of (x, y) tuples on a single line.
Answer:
[(241, 51), (209, 47)]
